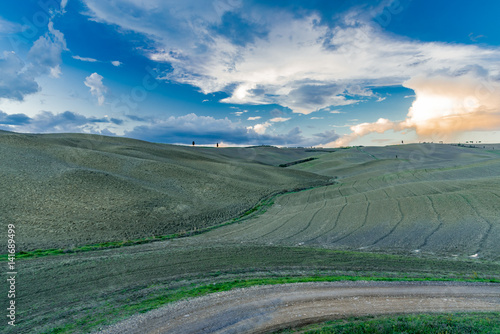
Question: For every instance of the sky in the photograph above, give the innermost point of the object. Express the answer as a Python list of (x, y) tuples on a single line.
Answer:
[(320, 73)]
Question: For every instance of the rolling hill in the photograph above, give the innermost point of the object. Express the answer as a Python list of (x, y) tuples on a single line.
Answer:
[(66, 190), (433, 198)]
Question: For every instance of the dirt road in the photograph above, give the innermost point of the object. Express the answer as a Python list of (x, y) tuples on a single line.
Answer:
[(264, 308)]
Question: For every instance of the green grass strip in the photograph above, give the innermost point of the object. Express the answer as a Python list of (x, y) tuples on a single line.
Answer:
[(101, 317), (484, 322)]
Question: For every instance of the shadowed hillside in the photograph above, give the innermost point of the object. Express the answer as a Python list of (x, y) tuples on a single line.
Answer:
[(63, 190)]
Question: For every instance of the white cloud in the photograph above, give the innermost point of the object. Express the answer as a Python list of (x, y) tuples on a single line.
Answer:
[(15, 80), (45, 54), (279, 119), (317, 117), (94, 82), (336, 112), (63, 4), (55, 71), (254, 118), (295, 62), (446, 105), (239, 112), (260, 128), (91, 60), (44, 58)]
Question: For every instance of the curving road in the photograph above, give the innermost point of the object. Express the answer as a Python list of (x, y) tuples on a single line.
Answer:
[(265, 308)]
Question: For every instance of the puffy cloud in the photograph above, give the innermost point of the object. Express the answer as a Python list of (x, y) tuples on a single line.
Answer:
[(44, 57), (446, 104), (379, 126), (94, 82), (360, 130), (208, 130), (45, 54), (14, 119), (293, 56), (16, 81), (260, 128), (254, 118), (116, 63)]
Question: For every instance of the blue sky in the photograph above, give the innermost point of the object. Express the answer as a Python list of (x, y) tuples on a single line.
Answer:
[(286, 73)]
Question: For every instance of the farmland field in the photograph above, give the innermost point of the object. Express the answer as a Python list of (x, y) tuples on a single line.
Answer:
[(438, 199), (204, 220), (66, 190)]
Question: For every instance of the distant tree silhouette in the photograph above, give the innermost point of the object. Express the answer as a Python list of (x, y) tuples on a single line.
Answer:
[(217, 144), (193, 142)]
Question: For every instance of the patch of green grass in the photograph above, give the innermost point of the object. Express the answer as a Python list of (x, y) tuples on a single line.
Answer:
[(288, 164), (101, 317), (487, 322), (86, 248)]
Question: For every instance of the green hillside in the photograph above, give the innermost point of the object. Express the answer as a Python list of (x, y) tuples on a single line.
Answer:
[(438, 199), (66, 190)]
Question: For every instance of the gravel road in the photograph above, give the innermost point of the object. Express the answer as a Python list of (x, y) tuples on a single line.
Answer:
[(262, 309)]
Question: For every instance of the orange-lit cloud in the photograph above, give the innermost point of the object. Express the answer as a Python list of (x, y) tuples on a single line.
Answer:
[(445, 106)]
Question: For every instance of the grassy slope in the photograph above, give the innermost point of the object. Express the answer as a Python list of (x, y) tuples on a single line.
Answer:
[(441, 200), (67, 190), (97, 286)]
